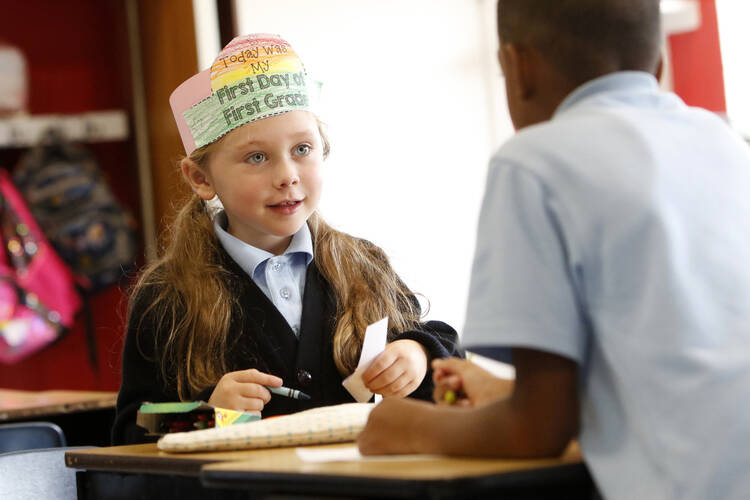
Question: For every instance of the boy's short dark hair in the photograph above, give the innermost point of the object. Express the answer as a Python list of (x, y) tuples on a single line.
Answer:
[(586, 38)]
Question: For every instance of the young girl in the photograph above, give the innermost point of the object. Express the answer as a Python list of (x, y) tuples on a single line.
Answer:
[(263, 292)]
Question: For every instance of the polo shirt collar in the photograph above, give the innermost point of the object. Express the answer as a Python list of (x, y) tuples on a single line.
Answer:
[(621, 80), (249, 257)]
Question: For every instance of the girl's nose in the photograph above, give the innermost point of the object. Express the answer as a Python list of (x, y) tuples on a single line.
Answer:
[(286, 175), (291, 181)]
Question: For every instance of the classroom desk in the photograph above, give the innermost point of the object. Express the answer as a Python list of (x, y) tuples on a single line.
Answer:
[(142, 471), (86, 417)]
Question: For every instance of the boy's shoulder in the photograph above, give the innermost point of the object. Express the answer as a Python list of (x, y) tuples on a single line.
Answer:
[(539, 144), (569, 152), (601, 125)]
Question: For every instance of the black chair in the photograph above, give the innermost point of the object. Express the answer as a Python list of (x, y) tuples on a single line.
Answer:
[(30, 435)]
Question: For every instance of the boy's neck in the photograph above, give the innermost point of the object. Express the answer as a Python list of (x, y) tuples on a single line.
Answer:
[(551, 91), (543, 88)]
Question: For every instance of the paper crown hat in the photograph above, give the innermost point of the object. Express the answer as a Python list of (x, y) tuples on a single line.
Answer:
[(253, 77)]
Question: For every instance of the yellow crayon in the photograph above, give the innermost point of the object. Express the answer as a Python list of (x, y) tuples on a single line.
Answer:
[(450, 397)]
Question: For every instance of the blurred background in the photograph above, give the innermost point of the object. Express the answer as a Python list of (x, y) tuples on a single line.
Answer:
[(412, 96)]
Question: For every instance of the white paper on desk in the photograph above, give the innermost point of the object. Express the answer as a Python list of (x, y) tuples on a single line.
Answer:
[(320, 454), (316, 455), (374, 343)]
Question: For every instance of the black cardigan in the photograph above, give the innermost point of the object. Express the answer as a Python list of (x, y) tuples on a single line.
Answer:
[(260, 337)]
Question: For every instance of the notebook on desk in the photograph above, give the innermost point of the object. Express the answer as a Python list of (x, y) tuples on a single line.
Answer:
[(327, 424)]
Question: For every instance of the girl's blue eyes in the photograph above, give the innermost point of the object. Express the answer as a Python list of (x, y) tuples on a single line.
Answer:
[(256, 158), (299, 150)]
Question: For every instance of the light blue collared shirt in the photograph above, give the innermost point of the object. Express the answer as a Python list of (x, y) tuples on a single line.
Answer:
[(617, 234), (280, 277)]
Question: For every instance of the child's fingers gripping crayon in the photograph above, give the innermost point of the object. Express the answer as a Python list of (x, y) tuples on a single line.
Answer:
[(447, 383), (456, 398), (243, 390), (464, 383), (448, 392)]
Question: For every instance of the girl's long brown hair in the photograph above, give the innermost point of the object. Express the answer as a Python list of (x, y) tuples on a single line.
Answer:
[(193, 306)]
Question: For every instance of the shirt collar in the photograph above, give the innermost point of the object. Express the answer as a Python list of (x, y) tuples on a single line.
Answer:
[(249, 257), (622, 80)]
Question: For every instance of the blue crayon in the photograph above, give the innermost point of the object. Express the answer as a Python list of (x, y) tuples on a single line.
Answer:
[(289, 393)]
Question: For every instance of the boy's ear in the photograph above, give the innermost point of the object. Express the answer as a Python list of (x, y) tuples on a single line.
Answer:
[(197, 178), (518, 66)]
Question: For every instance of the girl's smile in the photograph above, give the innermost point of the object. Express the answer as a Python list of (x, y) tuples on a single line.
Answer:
[(286, 207)]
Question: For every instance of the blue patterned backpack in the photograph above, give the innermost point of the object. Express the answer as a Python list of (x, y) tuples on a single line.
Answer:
[(68, 196)]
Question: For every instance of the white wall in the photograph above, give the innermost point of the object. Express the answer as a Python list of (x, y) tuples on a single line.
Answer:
[(208, 43), (734, 38), (413, 99)]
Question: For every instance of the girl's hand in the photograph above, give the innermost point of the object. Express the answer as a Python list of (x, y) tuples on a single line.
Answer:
[(464, 383), (398, 370), (244, 391)]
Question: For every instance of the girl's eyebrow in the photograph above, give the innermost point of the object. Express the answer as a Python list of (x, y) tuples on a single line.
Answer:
[(245, 144), (303, 133)]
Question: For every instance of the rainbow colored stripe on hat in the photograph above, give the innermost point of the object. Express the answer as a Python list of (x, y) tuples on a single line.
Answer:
[(253, 77)]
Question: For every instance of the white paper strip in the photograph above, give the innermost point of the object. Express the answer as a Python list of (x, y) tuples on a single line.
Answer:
[(374, 343)]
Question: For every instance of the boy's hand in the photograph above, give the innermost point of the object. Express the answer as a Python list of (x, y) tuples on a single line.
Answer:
[(398, 370), (464, 383), (394, 427), (244, 391)]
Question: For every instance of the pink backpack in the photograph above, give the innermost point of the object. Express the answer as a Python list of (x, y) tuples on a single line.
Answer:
[(38, 298)]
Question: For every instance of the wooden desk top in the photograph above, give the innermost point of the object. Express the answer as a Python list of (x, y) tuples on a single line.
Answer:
[(414, 467), (148, 458), (17, 405)]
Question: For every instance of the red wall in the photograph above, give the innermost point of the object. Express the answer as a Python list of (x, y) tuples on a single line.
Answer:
[(77, 58), (696, 63)]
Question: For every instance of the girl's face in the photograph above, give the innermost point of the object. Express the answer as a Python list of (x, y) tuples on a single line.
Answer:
[(267, 175)]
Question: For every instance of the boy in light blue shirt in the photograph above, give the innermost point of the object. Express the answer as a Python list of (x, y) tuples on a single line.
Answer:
[(613, 256)]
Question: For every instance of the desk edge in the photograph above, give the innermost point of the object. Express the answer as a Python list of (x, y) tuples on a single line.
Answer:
[(136, 464)]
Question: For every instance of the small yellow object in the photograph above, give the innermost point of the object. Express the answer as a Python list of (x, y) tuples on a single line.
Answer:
[(224, 417), (450, 397)]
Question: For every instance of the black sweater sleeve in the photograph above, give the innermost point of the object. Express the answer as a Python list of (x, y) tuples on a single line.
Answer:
[(441, 341), (141, 374)]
